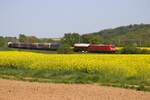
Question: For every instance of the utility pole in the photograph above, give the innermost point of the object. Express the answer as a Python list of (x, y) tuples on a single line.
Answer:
[(140, 43), (79, 39)]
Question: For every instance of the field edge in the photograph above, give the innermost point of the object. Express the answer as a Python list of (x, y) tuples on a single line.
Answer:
[(71, 78)]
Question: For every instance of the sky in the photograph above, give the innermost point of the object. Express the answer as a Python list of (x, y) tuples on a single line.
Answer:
[(53, 18)]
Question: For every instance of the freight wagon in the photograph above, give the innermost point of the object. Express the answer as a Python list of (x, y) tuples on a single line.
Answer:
[(40, 46), (79, 47)]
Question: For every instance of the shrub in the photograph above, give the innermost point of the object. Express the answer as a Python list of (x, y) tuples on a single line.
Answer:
[(131, 49), (145, 51), (65, 49)]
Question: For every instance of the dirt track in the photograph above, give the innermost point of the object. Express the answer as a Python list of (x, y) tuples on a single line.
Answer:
[(18, 90)]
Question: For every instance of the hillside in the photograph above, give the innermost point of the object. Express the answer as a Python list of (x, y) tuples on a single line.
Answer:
[(131, 34)]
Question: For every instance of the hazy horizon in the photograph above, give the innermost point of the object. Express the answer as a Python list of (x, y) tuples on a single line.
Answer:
[(49, 18)]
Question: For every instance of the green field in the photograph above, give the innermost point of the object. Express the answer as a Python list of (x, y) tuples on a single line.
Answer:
[(131, 71)]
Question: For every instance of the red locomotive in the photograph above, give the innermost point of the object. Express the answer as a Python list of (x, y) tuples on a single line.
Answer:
[(94, 48), (101, 48)]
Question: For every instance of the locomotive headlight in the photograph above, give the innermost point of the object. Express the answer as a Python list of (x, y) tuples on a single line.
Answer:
[(9, 43)]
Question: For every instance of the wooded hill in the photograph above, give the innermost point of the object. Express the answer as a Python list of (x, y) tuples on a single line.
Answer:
[(131, 34)]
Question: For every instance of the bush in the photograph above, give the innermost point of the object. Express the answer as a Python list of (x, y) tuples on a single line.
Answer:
[(144, 51), (131, 49), (65, 49)]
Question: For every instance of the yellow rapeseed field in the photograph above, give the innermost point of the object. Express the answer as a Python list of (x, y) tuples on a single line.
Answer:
[(112, 64)]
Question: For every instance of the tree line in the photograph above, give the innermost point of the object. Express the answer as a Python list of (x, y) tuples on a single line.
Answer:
[(138, 35), (23, 38), (69, 38)]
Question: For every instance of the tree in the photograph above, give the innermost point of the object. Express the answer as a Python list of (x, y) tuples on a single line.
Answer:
[(71, 38), (32, 39), (2, 41), (64, 49), (46, 40), (91, 39), (11, 39), (22, 38), (28, 39)]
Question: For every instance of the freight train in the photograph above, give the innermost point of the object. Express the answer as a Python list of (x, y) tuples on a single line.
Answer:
[(78, 47)]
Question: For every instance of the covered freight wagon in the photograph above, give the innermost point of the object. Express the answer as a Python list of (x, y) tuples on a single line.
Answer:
[(81, 47), (41, 46)]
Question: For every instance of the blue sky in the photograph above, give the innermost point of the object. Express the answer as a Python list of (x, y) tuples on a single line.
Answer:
[(53, 18)]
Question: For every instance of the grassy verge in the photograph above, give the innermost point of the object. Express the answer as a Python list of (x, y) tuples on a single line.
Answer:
[(64, 76)]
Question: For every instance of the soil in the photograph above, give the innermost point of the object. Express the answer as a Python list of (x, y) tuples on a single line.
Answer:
[(19, 90)]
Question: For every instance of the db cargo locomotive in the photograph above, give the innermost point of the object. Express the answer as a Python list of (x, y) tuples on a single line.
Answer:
[(94, 48), (40, 46)]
